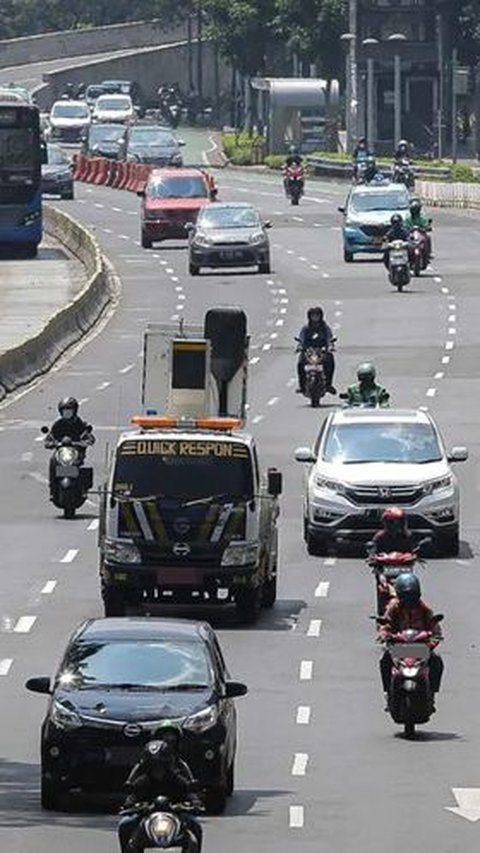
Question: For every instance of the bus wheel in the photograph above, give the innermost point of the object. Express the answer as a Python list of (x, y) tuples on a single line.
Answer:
[(30, 250)]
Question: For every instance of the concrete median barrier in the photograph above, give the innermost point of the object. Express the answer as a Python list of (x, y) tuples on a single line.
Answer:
[(35, 356), (439, 194)]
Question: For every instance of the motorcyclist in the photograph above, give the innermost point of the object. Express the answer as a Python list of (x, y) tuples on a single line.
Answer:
[(159, 772), (360, 151), (394, 535), (366, 389), (372, 171), (293, 158), (68, 425), (316, 333), (417, 219), (406, 611), (402, 151)]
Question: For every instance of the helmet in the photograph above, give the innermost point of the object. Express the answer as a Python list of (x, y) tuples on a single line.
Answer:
[(68, 404), (159, 757), (396, 219), (395, 520), (371, 160), (362, 140), (415, 205), (315, 311), (403, 143), (366, 371), (168, 730), (293, 150), (407, 588)]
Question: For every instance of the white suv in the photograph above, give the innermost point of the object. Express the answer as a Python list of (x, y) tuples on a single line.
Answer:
[(365, 460)]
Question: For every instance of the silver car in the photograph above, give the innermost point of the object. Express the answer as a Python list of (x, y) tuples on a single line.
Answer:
[(229, 235)]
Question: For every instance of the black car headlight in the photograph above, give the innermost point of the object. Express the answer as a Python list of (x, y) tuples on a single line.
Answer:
[(202, 720), (64, 717), (162, 828)]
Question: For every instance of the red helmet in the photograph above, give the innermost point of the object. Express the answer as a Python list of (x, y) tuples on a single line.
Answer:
[(394, 513)]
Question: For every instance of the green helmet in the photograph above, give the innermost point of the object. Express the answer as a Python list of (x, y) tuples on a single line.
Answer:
[(168, 727), (365, 372)]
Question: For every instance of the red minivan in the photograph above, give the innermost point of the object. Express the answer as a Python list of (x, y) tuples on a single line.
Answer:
[(171, 199)]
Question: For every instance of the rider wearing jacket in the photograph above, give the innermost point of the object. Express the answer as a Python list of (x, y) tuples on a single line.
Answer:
[(402, 151), (366, 389), (406, 611), (316, 333), (159, 772), (417, 219), (68, 425), (394, 535), (397, 230), (293, 158)]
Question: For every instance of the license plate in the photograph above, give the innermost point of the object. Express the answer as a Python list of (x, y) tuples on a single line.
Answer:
[(398, 261), (66, 471), (231, 254), (181, 576)]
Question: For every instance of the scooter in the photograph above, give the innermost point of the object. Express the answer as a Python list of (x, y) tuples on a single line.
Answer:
[(162, 826), (315, 379), (410, 698), (398, 263), (418, 253), (294, 183), (386, 568), (402, 173), (372, 403), (70, 479)]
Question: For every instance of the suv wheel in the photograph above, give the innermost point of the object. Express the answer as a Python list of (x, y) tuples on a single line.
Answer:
[(449, 544), (146, 242), (316, 545), (216, 798), (49, 795), (347, 256), (113, 602), (248, 602), (193, 269)]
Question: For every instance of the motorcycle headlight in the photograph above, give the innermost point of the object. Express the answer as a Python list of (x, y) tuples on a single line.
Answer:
[(202, 720), (64, 717), (122, 551), (161, 828), (437, 485), (330, 485), (202, 240), (257, 238), (67, 455), (410, 671), (240, 554)]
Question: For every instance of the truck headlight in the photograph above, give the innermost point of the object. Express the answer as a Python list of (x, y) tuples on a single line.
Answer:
[(64, 717), (240, 554), (202, 720), (122, 551), (437, 485), (161, 828)]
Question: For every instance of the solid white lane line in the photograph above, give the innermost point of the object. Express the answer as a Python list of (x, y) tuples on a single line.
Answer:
[(48, 588), (257, 419), (314, 628), (303, 715), (431, 392), (299, 766), (24, 624), (306, 670), (449, 345), (296, 817), (5, 665), (322, 589), (93, 524), (69, 556), (273, 401), (445, 359), (330, 561), (439, 375), (103, 385), (127, 369)]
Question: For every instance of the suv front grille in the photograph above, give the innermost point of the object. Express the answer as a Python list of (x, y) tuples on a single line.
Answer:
[(374, 230), (384, 494)]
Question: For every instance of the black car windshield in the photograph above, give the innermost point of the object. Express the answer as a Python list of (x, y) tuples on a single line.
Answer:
[(70, 111), (167, 664), (56, 157), (142, 136), (401, 442), (184, 469), (229, 217), (193, 187), (114, 103), (105, 133), (388, 200)]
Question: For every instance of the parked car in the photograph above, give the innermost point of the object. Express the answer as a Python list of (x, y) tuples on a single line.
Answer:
[(365, 460), (68, 121), (119, 678), (114, 108), (229, 235), (367, 215), (57, 173), (148, 143), (173, 197), (105, 140)]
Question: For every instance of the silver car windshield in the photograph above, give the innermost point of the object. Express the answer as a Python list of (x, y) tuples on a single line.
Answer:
[(230, 217), (407, 443)]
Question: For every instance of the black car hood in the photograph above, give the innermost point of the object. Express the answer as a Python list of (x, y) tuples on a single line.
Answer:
[(49, 170), (134, 705)]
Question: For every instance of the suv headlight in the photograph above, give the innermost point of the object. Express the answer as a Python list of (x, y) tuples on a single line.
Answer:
[(202, 720), (121, 551), (240, 554), (330, 485), (63, 717), (436, 485), (202, 240), (257, 238), (67, 455)]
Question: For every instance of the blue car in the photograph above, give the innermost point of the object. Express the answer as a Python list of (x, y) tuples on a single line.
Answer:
[(367, 215)]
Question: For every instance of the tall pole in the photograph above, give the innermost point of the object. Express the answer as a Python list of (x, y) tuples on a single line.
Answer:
[(348, 98), (370, 102), (440, 86), (189, 52), (398, 98), (352, 23), (454, 104), (199, 53)]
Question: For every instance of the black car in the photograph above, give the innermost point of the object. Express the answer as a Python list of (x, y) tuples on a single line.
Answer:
[(57, 173), (105, 139), (119, 678), (153, 144)]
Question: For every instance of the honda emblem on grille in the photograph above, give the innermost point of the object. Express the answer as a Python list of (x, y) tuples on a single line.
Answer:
[(385, 493), (181, 549), (132, 730)]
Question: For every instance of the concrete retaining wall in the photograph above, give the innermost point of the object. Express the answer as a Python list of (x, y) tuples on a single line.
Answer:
[(35, 356), (79, 42)]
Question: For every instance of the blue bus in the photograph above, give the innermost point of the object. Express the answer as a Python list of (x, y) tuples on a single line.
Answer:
[(20, 178)]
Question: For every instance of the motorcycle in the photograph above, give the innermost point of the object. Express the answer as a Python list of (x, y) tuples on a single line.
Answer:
[(398, 264), (294, 183), (360, 167), (162, 826), (70, 479), (410, 698), (418, 253), (386, 567), (314, 366), (402, 173)]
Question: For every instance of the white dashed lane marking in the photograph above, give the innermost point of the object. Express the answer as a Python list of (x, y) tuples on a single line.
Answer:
[(5, 666), (431, 392), (93, 524), (257, 419), (303, 715), (127, 369), (69, 556), (299, 766), (314, 628), (103, 385), (306, 670), (49, 587), (24, 624), (322, 589), (296, 817)]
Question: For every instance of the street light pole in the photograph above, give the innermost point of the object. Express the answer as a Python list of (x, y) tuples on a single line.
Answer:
[(397, 86), (350, 92), (370, 43)]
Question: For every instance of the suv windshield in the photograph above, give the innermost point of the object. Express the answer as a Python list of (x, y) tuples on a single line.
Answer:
[(70, 111), (382, 442), (229, 217), (389, 200), (105, 133), (166, 664), (183, 469), (193, 187)]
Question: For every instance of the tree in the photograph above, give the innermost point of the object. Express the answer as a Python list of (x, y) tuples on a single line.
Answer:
[(243, 32), (312, 30), (466, 17)]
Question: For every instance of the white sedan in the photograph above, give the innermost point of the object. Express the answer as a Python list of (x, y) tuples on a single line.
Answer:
[(116, 108)]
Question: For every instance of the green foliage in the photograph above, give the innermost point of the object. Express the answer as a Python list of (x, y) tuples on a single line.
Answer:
[(242, 31), (312, 30), (274, 161), (243, 149), (464, 174)]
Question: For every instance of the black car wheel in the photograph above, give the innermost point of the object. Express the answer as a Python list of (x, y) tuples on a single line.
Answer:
[(30, 250), (248, 602), (269, 592), (49, 794), (449, 544), (316, 545), (264, 268), (216, 797), (347, 256), (146, 242), (113, 602), (193, 269), (69, 195), (231, 778)]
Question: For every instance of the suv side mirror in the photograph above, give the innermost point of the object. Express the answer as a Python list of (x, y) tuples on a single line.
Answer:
[(341, 209), (275, 482), (141, 193), (458, 454), (305, 454), (267, 224), (235, 688), (38, 685), (189, 227)]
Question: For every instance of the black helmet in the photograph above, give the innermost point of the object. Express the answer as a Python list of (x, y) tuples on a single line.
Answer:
[(407, 588), (362, 140), (396, 219), (366, 372), (68, 403), (415, 205), (315, 311)]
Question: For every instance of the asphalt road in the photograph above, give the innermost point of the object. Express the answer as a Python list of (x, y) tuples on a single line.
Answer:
[(320, 765)]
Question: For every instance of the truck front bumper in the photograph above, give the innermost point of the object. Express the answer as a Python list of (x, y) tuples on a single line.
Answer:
[(178, 583)]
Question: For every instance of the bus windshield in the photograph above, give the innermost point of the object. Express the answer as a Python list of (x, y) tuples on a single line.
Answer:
[(19, 143)]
